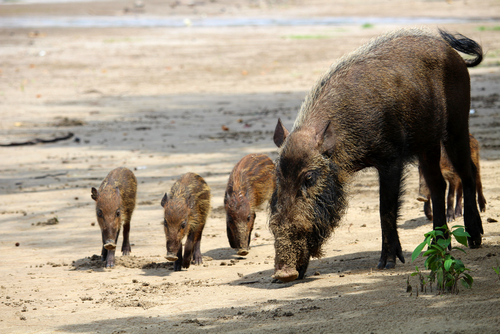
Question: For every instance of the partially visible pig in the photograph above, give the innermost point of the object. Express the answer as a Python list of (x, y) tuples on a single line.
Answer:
[(454, 185), (186, 210), (395, 99), (115, 203), (250, 185)]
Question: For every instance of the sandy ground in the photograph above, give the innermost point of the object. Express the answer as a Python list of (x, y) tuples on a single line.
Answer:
[(156, 100)]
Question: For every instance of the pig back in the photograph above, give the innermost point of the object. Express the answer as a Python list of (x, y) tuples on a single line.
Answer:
[(193, 189), (253, 176), (383, 94), (123, 179)]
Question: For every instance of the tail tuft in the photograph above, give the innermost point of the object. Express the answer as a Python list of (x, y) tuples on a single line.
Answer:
[(465, 45)]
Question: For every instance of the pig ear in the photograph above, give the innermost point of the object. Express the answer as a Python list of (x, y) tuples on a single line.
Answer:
[(280, 133), (164, 200), (94, 194), (325, 139)]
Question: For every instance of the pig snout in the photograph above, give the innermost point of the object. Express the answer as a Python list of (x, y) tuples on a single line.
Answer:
[(285, 273), (242, 251), (110, 245), (171, 256)]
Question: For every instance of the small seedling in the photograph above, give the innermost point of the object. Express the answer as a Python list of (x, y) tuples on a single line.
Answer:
[(497, 270), (446, 271)]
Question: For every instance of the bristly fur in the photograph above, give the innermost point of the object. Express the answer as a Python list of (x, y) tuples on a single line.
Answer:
[(327, 216)]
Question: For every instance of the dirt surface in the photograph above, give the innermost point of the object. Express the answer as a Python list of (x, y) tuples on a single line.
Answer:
[(166, 101)]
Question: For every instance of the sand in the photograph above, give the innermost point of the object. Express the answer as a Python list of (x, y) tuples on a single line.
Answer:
[(164, 101)]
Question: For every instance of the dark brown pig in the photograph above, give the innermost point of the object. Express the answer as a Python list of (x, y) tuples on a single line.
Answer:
[(185, 213), (115, 203), (454, 185), (250, 185), (391, 101)]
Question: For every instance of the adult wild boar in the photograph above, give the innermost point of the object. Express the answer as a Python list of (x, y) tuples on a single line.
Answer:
[(250, 185), (394, 99), (454, 185)]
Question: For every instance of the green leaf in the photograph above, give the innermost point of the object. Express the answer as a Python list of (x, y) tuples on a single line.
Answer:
[(444, 243), (467, 281), (417, 251), (439, 234), (462, 240), (448, 263), (431, 251), (459, 265), (469, 278)]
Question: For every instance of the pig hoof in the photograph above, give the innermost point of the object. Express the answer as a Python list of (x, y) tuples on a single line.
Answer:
[(390, 265), (242, 252), (381, 265), (474, 242), (172, 258)]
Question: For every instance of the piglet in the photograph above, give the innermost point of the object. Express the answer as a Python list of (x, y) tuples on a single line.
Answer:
[(250, 185), (186, 210), (115, 203), (454, 185)]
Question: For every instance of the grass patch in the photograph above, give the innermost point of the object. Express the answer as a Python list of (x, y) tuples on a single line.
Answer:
[(484, 28), (367, 26)]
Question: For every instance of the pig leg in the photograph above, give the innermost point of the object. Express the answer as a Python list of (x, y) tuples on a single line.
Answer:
[(104, 254), (424, 194), (178, 262), (126, 249), (110, 259), (458, 202), (198, 259), (436, 183), (428, 209), (479, 187), (450, 199), (390, 190), (188, 251), (458, 150)]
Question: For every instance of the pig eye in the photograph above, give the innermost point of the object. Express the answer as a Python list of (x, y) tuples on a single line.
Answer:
[(183, 224), (118, 213), (310, 179), (99, 214), (248, 218), (165, 222)]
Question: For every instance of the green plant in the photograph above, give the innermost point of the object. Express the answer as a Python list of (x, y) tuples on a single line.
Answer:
[(484, 28), (497, 270), (446, 271)]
